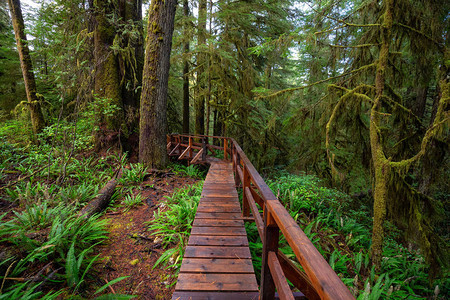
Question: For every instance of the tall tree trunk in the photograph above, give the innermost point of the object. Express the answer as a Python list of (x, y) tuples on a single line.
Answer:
[(131, 67), (210, 47), (153, 112), (186, 71), (381, 164), (201, 62), (34, 105), (107, 77)]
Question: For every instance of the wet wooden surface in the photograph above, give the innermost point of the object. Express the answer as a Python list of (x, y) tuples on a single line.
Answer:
[(217, 262)]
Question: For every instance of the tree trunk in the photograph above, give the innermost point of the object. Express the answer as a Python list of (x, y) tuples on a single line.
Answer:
[(153, 112), (380, 162), (34, 105), (186, 71), (99, 203), (201, 62), (131, 72), (107, 77)]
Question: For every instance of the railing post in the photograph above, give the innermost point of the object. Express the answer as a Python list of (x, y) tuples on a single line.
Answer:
[(225, 150), (246, 183), (270, 243), (190, 148), (205, 150), (237, 179)]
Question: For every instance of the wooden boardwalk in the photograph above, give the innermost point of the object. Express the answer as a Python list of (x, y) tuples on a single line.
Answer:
[(217, 263)]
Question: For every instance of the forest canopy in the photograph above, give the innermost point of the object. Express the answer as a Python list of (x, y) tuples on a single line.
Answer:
[(355, 92)]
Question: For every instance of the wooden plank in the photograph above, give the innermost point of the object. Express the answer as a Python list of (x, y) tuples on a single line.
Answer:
[(174, 150), (215, 295), (219, 207), (228, 199), (218, 240), (216, 282), (184, 152), (219, 215), (219, 203), (218, 223), (297, 277), (218, 231), (315, 266), (218, 185), (226, 191), (217, 265), (196, 157), (278, 277), (217, 252), (258, 219)]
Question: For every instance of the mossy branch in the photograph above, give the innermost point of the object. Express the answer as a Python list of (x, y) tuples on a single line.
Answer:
[(439, 45), (442, 117), (355, 47), (345, 24), (348, 95), (363, 68)]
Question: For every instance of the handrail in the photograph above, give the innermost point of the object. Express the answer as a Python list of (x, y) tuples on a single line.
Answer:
[(318, 281)]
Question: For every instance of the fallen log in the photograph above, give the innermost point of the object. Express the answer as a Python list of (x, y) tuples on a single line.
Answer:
[(99, 203)]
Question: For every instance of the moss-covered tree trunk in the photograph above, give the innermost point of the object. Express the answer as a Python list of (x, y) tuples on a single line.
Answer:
[(34, 105), (380, 162), (186, 71), (107, 77), (131, 64), (119, 59), (153, 112), (201, 66)]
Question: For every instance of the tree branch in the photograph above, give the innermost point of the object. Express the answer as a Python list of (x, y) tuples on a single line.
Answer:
[(318, 82)]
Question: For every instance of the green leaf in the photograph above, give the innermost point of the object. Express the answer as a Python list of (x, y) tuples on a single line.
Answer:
[(109, 284)]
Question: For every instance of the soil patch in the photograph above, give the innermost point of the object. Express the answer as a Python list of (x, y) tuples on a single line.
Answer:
[(131, 249)]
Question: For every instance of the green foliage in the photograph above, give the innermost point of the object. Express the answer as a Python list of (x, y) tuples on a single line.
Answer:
[(40, 216), (343, 236), (53, 235), (131, 201), (173, 222), (134, 175), (190, 171)]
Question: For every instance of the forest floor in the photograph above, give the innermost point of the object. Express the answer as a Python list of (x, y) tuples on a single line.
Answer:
[(131, 250)]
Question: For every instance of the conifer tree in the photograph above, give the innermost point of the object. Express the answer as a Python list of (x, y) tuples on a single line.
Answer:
[(34, 102), (201, 67), (153, 107), (118, 64), (186, 95)]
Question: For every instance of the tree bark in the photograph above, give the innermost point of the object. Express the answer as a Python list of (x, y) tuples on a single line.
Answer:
[(186, 71), (153, 112), (201, 62), (381, 164), (131, 67), (34, 105), (99, 203), (107, 77), (118, 72)]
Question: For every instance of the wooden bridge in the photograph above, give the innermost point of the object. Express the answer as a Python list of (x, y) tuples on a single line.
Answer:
[(217, 262)]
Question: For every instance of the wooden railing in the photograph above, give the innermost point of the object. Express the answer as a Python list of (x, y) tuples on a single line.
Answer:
[(318, 280)]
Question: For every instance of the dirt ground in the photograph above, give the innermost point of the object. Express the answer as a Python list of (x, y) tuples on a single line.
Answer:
[(131, 249)]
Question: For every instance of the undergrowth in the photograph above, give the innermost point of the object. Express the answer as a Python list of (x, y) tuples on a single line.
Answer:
[(172, 224), (343, 236), (46, 249)]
